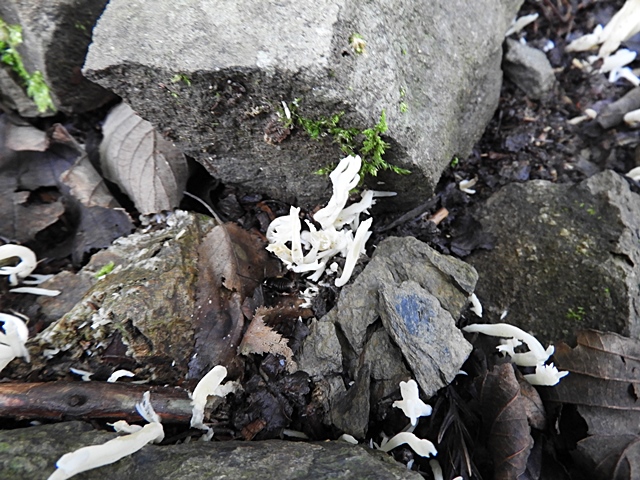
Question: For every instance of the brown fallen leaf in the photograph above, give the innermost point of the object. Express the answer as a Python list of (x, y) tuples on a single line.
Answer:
[(262, 339), (87, 186), (148, 168), (604, 386), (232, 263), (504, 420)]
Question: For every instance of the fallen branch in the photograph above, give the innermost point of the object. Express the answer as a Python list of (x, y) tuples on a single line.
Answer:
[(91, 400)]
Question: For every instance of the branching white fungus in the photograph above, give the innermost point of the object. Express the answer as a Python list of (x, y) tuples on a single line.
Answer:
[(411, 404), (535, 357), (13, 337), (287, 242), (547, 375), (505, 330), (94, 456)]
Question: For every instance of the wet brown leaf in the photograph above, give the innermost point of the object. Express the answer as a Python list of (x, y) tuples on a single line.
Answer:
[(262, 339), (504, 419), (148, 168), (232, 263), (87, 186), (604, 384)]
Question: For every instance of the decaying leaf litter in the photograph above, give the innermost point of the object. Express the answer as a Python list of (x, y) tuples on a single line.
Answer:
[(470, 415)]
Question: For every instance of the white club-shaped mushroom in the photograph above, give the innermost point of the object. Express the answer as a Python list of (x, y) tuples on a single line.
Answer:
[(538, 354), (355, 249), (411, 404), (23, 269), (422, 447), (207, 386)]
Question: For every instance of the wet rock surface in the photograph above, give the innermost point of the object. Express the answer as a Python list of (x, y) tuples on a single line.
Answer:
[(218, 96), (32, 453), (377, 336), (566, 257)]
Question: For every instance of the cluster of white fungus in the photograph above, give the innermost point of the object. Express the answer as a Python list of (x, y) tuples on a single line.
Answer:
[(341, 232), (537, 356), (624, 25)]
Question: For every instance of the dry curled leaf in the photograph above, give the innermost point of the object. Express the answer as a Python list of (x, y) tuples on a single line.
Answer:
[(262, 339), (148, 168), (232, 262), (504, 419), (604, 386)]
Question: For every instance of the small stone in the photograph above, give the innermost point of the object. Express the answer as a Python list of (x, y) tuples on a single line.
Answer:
[(528, 68)]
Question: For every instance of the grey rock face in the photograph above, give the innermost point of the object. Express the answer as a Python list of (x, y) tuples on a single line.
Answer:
[(56, 35), (528, 68), (374, 352), (426, 333), (434, 71), (32, 453), (566, 257)]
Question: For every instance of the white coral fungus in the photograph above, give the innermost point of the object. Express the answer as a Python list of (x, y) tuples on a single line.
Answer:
[(535, 357), (547, 375), (94, 456), (411, 404), (338, 224), (13, 339)]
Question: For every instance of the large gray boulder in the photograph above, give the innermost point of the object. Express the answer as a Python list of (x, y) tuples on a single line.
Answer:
[(56, 35), (211, 75), (566, 257)]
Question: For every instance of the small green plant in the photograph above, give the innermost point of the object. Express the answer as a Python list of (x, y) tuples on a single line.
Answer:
[(454, 162), (37, 89), (108, 268), (357, 43), (181, 77), (577, 314), (404, 108)]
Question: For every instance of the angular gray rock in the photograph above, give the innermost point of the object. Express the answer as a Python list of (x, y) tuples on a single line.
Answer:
[(369, 355), (211, 75), (566, 257), (528, 68), (426, 334), (56, 35), (32, 452)]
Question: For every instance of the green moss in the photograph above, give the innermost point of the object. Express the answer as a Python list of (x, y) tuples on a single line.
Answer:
[(576, 314), (367, 143), (108, 268), (37, 89), (181, 77)]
